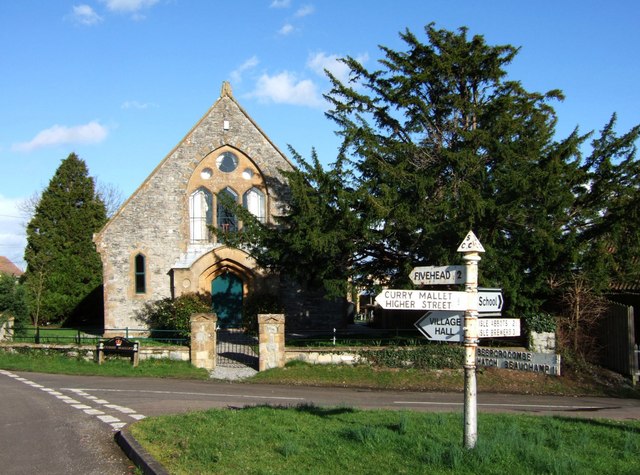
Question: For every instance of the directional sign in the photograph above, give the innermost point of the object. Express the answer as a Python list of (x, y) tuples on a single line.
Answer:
[(490, 300), (422, 300), (438, 275), (440, 325), (498, 327)]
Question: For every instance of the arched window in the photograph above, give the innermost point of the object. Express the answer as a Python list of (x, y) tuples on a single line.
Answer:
[(227, 220), (140, 274), (253, 200), (200, 215)]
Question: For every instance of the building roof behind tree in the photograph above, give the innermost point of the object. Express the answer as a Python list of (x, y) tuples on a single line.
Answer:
[(8, 267)]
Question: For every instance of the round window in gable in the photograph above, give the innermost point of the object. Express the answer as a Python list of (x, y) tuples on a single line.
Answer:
[(227, 162)]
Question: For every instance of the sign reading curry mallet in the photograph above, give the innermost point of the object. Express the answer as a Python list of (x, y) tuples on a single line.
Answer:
[(391, 299), (440, 325), (437, 275)]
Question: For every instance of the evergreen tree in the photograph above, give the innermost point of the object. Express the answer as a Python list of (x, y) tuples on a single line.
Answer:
[(443, 143), (439, 141), (63, 267)]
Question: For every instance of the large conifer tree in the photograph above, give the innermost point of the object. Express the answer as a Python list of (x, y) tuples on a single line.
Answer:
[(438, 141), (63, 267)]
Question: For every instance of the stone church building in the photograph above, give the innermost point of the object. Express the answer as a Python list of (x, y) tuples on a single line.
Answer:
[(159, 243)]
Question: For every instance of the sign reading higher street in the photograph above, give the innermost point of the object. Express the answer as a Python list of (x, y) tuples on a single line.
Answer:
[(422, 300), (437, 275)]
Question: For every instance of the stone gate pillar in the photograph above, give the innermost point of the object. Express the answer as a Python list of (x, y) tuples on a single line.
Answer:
[(203, 340), (271, 341)]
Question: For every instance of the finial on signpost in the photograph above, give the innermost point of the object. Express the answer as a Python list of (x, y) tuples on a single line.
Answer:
[(471, 248)]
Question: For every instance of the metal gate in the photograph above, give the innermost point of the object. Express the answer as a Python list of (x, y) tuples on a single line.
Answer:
[(236, 349)]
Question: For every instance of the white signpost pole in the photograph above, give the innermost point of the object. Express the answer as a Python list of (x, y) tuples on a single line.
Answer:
[(471, 249)]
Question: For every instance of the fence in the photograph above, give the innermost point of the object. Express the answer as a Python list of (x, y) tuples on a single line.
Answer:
[(617, 333), (91, 336)]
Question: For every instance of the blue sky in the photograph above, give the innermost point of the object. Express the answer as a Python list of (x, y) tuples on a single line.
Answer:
[(120, 82)]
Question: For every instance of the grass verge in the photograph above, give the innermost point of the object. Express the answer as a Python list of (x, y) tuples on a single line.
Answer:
[(314, 440), (37, 361), (592, 381)]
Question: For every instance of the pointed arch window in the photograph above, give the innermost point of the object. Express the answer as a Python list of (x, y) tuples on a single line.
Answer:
[(140, 274), (254, 202), (226, 218), (200, 215)]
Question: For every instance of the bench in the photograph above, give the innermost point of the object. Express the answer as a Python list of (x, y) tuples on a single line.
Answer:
[(119, 346)]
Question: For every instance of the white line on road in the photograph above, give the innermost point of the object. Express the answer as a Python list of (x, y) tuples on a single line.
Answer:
[(185, 393), (542, 406)]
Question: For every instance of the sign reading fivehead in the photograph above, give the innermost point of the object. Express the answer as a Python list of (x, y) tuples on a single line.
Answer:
[(438, 275)]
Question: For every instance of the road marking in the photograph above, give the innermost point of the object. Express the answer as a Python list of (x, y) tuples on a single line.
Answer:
[(185, 393), (542, 406), (114, 422)]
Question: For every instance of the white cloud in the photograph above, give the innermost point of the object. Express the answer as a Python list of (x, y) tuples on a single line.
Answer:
[(280, 4), (93, 132), (285, 88), (137, 105), (321, 61), (85, 15), (305, 11), (128, 6), (236, 74), (13, 234), (286, 29)]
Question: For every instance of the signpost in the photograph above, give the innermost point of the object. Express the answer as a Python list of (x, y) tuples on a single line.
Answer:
[(437, 275), (440, 325), (422, 300), (498, 327), (453, 316)]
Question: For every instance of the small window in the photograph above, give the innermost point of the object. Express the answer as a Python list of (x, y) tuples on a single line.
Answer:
[(227, 162), (253, 201), (226, 218), (140, 274), (200, 215)]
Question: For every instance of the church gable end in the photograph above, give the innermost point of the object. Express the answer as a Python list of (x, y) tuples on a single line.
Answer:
[(166, 219)]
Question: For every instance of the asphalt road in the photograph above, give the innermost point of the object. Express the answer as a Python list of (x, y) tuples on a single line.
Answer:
[(65, 424)]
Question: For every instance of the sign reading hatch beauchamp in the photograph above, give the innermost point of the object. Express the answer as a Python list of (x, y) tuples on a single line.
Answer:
[(422, 300)]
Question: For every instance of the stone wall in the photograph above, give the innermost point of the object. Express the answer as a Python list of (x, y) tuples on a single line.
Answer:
[(88, 352), (542, 342), (323, 356)]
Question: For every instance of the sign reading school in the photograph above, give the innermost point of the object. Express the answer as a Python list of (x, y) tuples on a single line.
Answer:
[(422, 300)]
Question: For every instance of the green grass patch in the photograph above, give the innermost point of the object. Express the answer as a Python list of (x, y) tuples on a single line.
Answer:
[(41, 362), (313, 440)]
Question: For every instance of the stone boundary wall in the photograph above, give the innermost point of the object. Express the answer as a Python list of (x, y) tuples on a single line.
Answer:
[(347, 356), (542, 342), (88, 352)]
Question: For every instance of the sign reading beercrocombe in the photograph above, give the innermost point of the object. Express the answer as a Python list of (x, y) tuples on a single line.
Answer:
[(547, 363)]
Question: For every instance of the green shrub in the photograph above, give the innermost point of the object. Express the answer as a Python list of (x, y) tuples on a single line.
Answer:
[(539, 322), (432, 356), (175, 314)]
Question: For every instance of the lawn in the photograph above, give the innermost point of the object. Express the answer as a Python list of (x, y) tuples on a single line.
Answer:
[(54, 363), (314, 440)]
